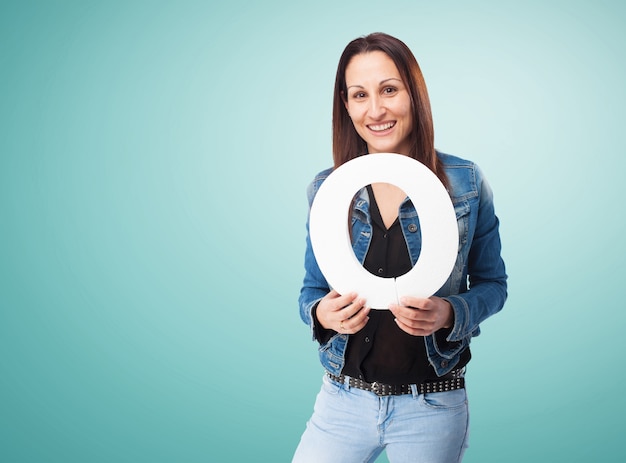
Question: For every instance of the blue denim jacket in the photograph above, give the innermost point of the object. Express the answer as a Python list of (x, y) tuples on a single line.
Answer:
[(477, 285)]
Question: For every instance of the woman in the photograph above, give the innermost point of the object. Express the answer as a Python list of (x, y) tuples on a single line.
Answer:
[(395, 378)]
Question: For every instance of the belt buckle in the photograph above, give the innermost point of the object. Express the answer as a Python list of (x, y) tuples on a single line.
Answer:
[(376, 388)]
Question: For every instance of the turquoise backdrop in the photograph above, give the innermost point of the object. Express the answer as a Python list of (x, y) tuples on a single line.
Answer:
[(154, 157)]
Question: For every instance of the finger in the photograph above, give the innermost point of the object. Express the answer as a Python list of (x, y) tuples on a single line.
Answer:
[(415, 302), (345, 299), (410, 314), (416, 319), (356, 328), (328, 310), (416, 324), (352, 308), (336, 302), (413, 329), (356, 322), (359, 317), (334, 295)]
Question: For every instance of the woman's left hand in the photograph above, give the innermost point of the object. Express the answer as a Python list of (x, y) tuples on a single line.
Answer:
[(422, 317)]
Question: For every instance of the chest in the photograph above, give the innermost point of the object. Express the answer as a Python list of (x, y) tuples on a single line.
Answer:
[(388, 198)]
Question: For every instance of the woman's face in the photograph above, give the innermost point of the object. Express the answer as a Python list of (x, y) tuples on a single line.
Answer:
[(378, 103)]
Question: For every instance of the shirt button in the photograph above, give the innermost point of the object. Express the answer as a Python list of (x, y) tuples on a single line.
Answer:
[(385, 235), (367, 339), (380, 271), (412, 227)]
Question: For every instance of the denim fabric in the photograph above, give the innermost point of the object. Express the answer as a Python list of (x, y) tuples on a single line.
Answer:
[(350, 425), (476, 288)]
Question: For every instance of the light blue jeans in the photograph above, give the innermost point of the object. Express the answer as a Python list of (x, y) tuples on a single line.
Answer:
[(351, 425)]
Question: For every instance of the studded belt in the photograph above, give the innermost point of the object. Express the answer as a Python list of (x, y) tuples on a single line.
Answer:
[(452, 381)]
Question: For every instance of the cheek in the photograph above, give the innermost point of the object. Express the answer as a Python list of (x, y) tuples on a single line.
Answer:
[(357, 119), (406, 111), (403, 108), (409, 117), (353, 112)]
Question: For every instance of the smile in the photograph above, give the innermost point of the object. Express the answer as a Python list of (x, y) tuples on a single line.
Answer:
[(381, 127)]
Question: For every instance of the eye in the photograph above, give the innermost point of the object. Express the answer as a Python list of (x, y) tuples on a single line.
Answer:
[(358, 95), (389, 90)]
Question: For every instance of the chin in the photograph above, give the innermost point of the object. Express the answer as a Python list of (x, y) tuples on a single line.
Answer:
[(384, 149)]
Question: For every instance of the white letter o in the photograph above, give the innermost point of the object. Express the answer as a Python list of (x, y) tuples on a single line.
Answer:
[(330, 238)]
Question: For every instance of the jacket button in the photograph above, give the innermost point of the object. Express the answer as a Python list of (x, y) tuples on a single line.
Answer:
[(412, 227), (444, 363)]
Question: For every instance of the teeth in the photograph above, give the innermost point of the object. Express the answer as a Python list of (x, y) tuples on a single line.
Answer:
[(380, 128)]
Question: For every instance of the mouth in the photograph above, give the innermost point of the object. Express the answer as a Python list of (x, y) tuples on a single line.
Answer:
[(381, 127)]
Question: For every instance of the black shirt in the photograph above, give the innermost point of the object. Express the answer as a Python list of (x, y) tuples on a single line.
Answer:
[(381, 351)]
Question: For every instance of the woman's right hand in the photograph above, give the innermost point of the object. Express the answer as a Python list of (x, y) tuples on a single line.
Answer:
[(345, 314)]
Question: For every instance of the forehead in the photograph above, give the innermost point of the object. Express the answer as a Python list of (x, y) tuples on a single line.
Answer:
[(373, 66)]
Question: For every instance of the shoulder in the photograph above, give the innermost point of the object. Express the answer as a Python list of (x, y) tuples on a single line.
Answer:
[(317, 181), (323, 175), (450, 160), (464, 176)]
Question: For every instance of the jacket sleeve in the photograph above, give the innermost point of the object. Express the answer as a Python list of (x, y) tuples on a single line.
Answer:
[(314, 286), (487, 287)]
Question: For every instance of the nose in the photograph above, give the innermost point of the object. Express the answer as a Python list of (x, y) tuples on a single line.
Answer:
[(377, 107)]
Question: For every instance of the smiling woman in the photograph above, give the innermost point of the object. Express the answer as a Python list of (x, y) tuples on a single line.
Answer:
[(389, 59), (395, 379)]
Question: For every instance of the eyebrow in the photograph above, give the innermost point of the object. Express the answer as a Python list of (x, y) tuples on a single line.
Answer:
[(380, 83)]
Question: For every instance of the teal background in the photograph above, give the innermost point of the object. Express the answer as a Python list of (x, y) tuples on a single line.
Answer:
[(153, 164)]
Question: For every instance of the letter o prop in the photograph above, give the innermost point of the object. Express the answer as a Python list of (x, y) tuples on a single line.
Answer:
[(330, 238)]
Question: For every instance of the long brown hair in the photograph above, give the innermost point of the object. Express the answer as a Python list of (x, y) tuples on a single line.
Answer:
[(347, 144)]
